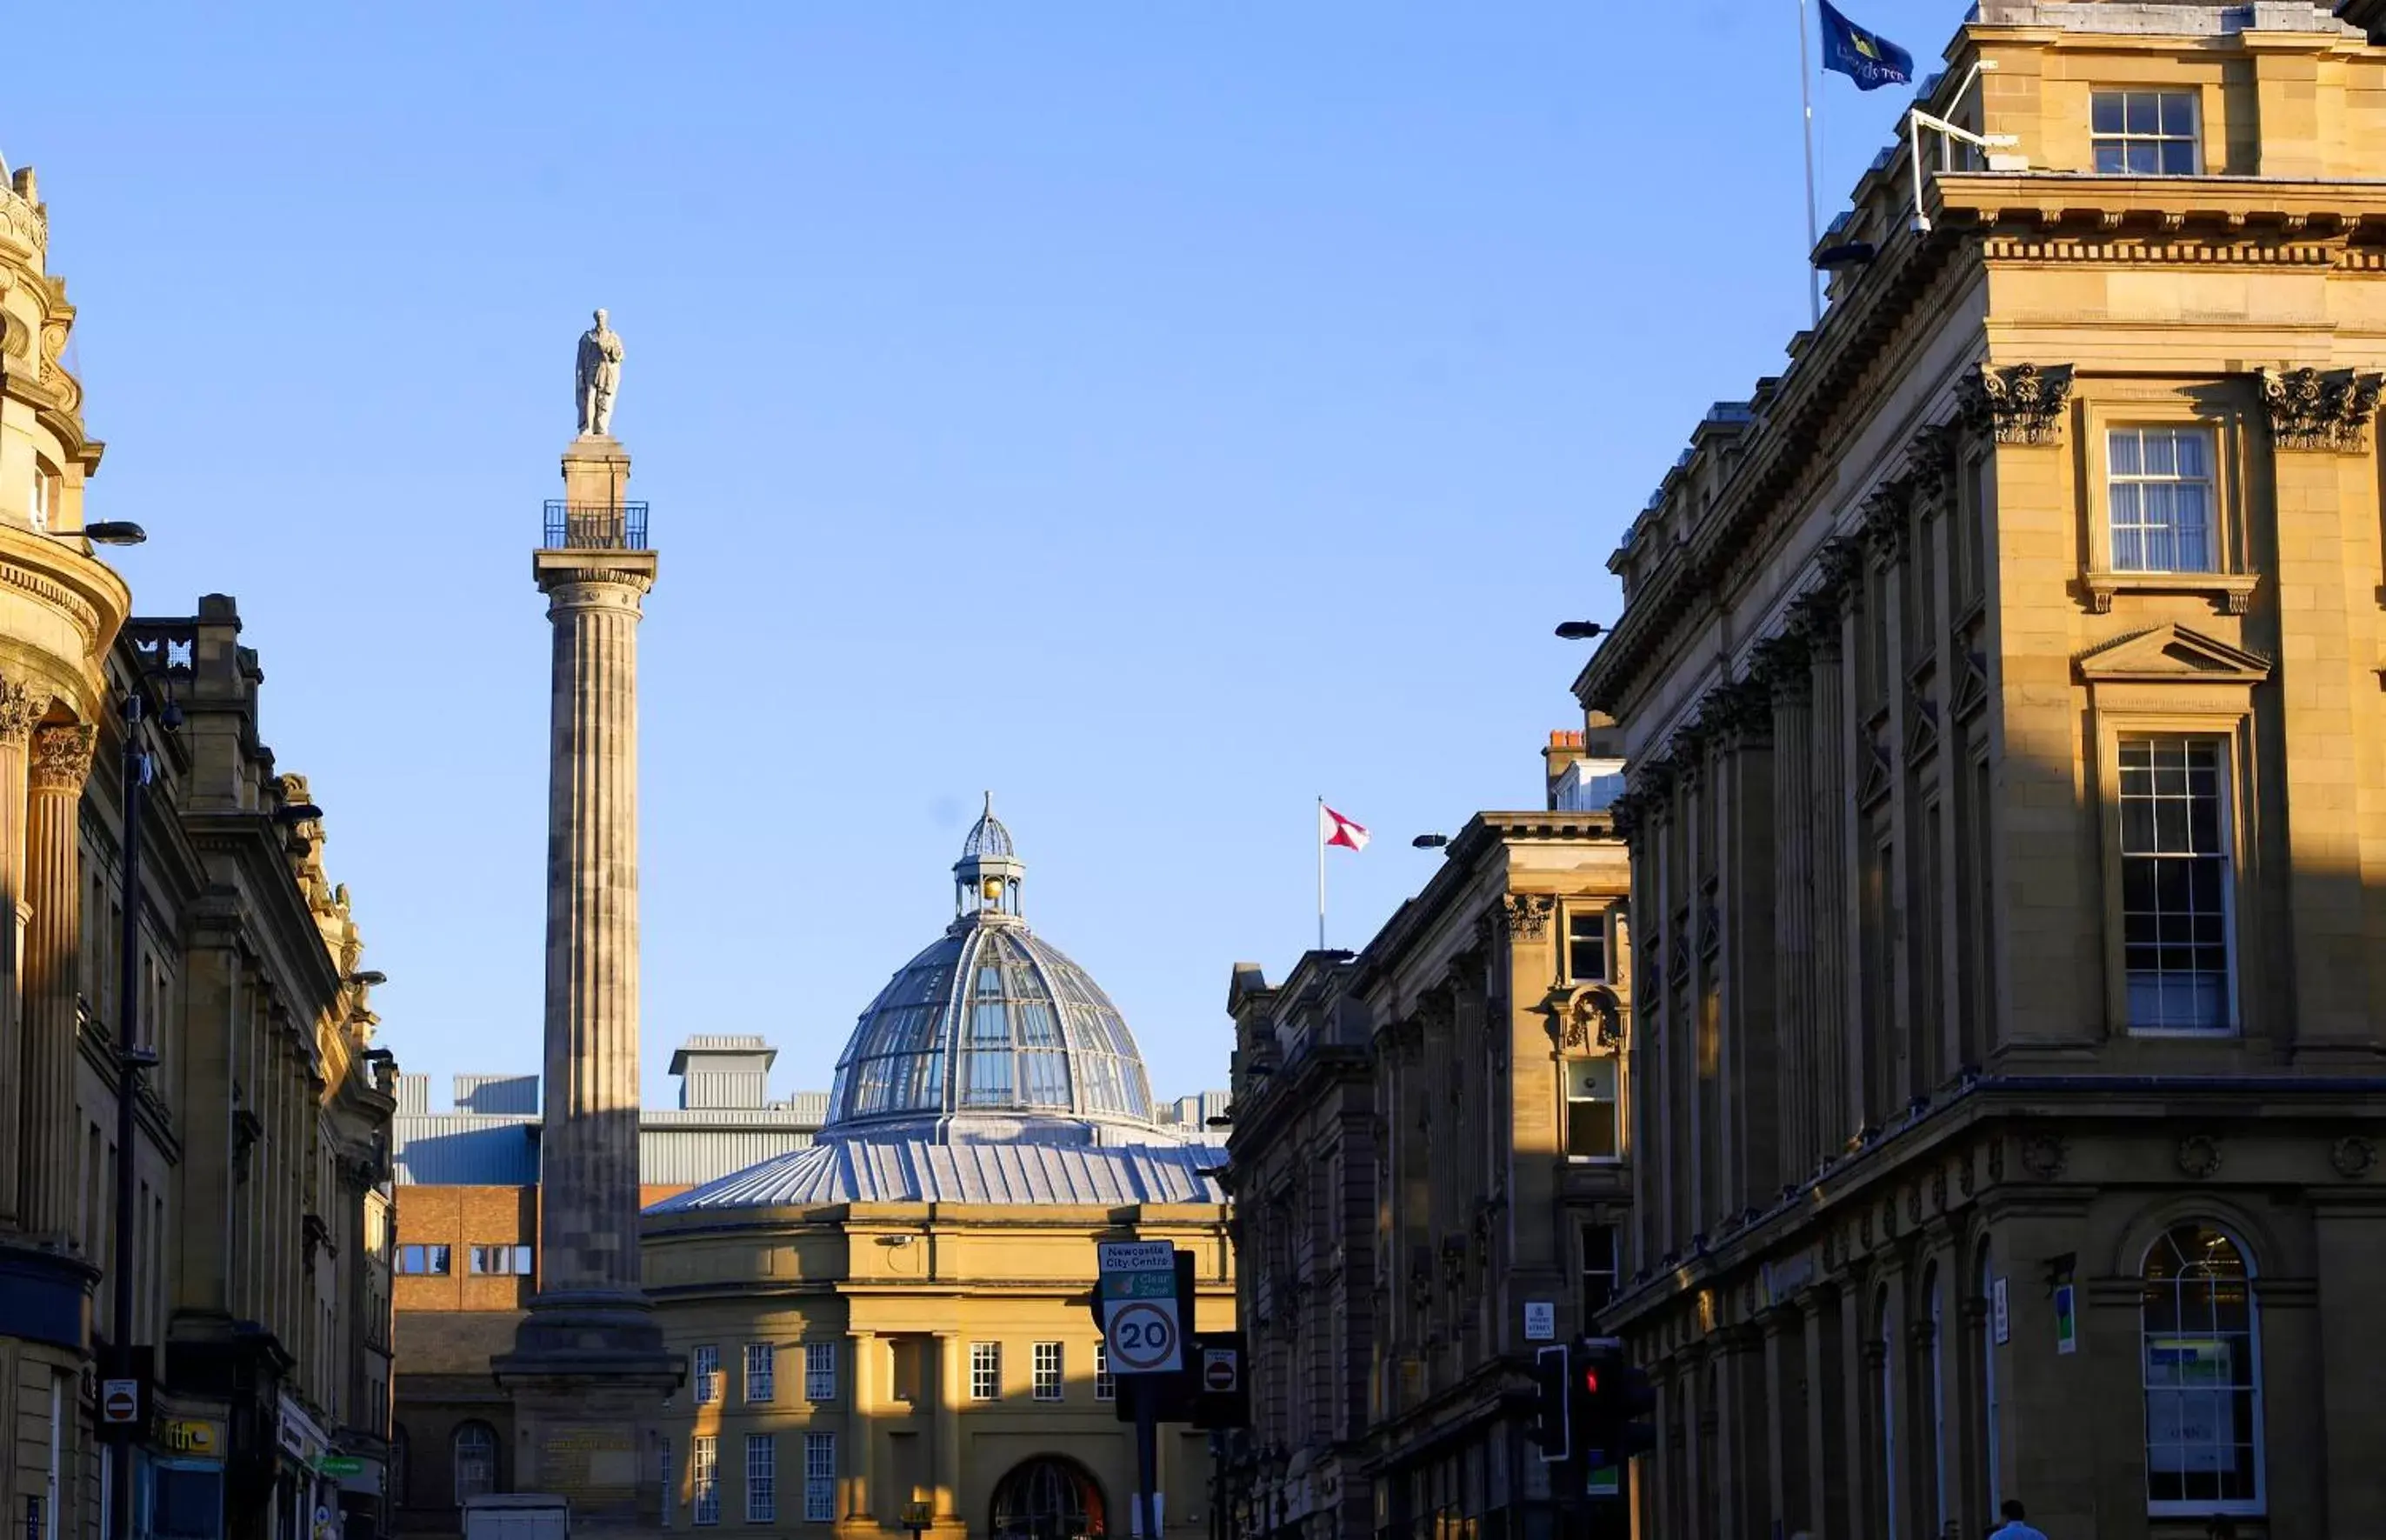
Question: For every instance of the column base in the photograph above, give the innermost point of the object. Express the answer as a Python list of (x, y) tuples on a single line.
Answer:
[(588, 1376)]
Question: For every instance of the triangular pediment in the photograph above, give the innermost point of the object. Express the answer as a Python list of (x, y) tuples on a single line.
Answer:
[(2172, 652)]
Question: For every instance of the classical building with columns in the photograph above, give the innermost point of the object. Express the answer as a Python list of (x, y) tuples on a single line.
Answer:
[(2002, 689), (1431, 1180), (896, 1318), (257, 1251)]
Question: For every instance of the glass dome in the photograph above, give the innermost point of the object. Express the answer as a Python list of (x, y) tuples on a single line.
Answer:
[(991, 1033)]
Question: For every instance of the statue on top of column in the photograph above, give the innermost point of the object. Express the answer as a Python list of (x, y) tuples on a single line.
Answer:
[(599, 377)]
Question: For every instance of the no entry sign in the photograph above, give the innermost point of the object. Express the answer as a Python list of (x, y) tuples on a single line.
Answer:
[(1140, 1322)]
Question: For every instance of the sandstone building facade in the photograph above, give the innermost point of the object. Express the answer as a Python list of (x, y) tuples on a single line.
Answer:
[(2001, 688), (259, 1246), (1431, 1180)]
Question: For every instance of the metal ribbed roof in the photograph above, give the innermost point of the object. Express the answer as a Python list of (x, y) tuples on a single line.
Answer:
[(860, 1170)]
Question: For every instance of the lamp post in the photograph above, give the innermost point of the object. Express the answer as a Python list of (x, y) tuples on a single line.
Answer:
[(131, 1059)]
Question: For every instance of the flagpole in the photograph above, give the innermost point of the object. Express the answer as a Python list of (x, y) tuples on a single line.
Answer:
[(1814, 233), (1321, 873)]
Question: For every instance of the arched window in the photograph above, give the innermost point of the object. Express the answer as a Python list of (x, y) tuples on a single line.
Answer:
[(476, 1461), (1048, 1498), (2202, 1361)]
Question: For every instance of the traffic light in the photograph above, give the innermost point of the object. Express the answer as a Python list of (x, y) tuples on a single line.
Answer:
[(1548, 1427), (1607, 1398)]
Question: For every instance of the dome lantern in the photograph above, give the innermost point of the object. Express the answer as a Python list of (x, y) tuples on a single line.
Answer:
[(986, 878)]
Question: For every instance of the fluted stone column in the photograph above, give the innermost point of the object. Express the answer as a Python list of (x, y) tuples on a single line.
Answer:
[(21, 706), (589, 1372), (589, 1148), (61, 761), (952, 1387)]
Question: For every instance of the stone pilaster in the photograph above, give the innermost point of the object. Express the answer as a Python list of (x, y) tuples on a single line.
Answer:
[(61, 761), (21, 706)]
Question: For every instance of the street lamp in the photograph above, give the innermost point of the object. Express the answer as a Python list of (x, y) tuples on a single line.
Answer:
[(1580, 631), (106, 531), (131, 1060)]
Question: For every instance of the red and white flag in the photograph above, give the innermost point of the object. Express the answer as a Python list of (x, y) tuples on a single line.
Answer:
[(1334, 828)]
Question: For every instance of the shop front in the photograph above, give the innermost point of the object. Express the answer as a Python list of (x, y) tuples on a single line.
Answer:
[(305, 1501), (179, 1482)]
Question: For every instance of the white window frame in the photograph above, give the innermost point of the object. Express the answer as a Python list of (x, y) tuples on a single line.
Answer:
[(761, 1372), (1612, 1101), (486, 1452), (1105, 1383), (2224, 744), (820, 1371), (2215, 556), (704, 1479), (1048, 1381), (820, 1478), (2193, 138), (761, 1479), (1596, 919), (704, 1370), (2199, 1507), (986, 1371)]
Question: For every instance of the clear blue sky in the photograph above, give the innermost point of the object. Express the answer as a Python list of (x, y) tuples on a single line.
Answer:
[(1158, 414)]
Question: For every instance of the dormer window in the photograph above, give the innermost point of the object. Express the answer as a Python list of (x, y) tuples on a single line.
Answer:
[(2146, 133)]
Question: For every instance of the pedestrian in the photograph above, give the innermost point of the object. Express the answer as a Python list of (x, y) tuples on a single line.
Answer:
[(2016, 1525)]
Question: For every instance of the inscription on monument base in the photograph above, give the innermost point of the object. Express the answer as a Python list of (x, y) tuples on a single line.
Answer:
[(588, 1462)]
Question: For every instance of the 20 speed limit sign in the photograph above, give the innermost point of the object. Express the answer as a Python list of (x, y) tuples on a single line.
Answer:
[(1140, 1322)]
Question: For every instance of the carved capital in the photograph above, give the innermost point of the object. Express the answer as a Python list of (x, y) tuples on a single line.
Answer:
[(2327, 410), (1887, 523), (1933, 466), (62, 757), (2019, 405), (21, 706), (1783, 667), (1528, 914)]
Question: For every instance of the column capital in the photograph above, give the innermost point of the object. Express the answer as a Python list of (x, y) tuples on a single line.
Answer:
[(22, 702), (62, 757)]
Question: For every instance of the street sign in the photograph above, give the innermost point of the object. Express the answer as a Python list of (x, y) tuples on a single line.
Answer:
[(1138, 1291), (340, 1465), (120, 1402), (1219, 1371), (1540, 1320), (1999, 1321)]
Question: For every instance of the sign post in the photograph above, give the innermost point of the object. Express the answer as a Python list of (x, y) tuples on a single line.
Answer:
[(1144, 1337)]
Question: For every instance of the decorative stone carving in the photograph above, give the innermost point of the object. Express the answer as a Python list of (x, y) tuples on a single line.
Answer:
[(2325, 410), (1743, 709), (1939, 1189), (62, 757), (2022, 404), (2042, 1156), (1625, 814), (1932, 468), (1782, 667), (21, 706), (1965, 1179), (1528, 914), (1888, 529), (2353, 1157), (2199, 1154)]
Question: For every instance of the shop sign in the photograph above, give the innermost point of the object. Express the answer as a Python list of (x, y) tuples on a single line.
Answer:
[(340, 1465), (192, 1435), (298, 1436)]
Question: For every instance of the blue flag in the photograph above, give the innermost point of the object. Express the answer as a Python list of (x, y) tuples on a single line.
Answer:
[(1864, 56)]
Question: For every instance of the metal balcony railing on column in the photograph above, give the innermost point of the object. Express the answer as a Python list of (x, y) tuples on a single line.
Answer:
[(596, 526)]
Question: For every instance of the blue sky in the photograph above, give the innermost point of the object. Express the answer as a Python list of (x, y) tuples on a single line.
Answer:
[(1160, 415)]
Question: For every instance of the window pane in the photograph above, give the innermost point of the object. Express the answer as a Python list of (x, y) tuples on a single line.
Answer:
[(2178, 114), (2143, 112), (2178, 159), (2106, 112)]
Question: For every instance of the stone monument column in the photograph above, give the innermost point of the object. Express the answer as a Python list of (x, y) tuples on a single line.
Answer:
[(588, 1373)]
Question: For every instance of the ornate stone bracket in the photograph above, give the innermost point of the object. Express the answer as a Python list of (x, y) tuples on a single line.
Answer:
[(2022, 404), (62, 757), (2327, 410)]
